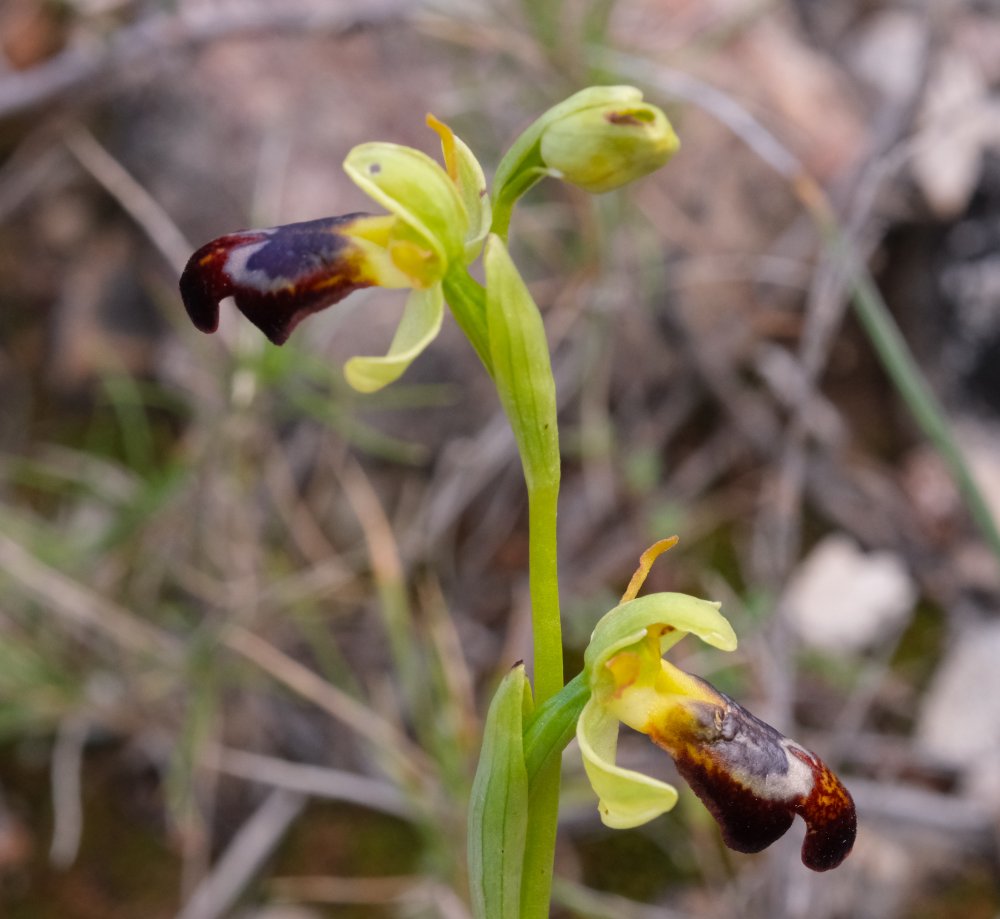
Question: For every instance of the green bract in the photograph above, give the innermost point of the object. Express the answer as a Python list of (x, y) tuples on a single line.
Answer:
[(519, 355), (498, 809)]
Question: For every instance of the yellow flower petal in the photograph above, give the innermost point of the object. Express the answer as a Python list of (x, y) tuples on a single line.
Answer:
[(419, 326), (627, 798)]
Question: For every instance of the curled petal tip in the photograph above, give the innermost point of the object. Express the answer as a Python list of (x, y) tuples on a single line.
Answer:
[(205, 281), (830, 816), (276, 276)]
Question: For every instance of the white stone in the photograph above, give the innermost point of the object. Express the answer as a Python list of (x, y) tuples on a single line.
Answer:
[(959, 722), (843, 599)]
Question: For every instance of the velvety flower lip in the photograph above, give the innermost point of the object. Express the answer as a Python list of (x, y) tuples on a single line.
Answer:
[(280, 275), (754, 780)]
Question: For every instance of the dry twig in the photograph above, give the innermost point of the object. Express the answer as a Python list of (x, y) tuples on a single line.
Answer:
[(157, 38), (317, 781), (252, 845)]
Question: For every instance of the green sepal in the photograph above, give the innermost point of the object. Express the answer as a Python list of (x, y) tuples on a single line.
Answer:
[(409, 184), (628, 623), (475, 196), (419, 326), (519, 355), (498, 807)]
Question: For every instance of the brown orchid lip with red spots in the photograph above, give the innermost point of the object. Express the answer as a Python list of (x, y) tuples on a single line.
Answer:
[(276, 276), (754, 781)]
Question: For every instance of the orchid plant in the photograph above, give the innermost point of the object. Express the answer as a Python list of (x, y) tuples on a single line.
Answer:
[(440, 220)]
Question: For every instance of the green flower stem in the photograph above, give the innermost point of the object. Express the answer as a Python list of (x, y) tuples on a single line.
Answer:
[(547, 634), (540, 845), (503, 205), (543, 582), (467, 299), (522, 372), (503, 209)]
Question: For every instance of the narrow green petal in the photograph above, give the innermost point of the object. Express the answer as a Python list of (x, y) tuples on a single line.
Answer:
[(411, 185), (470, 180), (475, 197), (627, 623), (419, 326), (627, 798)]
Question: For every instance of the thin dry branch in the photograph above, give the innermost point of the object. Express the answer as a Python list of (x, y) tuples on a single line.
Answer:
[(404, 891), (309, 685), (67, 804), (317, 781), (963, 821), (159, 38), (81, 606), (248, 851), (138, 202)]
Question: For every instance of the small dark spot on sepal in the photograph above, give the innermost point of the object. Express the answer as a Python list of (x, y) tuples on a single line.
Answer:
[(628, 118)]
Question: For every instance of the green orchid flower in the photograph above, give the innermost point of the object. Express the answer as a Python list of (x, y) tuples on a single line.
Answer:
[(751, 778), (438, 218)]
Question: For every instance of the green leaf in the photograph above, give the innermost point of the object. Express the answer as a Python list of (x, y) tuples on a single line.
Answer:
[(519, 356), (498, 808), (419, 326)]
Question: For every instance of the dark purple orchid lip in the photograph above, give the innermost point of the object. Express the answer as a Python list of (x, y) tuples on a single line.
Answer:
[(754, 780), (276, 276)]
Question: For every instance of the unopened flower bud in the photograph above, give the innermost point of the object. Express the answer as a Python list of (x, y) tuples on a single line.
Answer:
[(604, 147)]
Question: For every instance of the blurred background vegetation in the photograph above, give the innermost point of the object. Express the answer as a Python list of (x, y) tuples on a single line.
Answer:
[(249, 619)]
